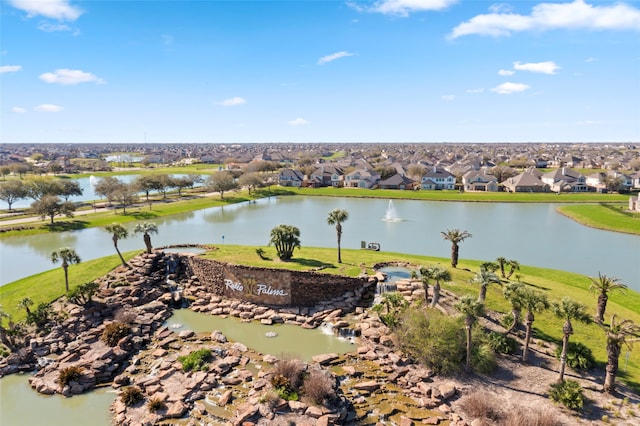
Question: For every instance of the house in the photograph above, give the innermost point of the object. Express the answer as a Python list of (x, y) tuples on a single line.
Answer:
[(565, 180), (479, 180), (361, 178), (438, 178), (527, 181), (397, 181), (327, 175), (611, 180), (290, 177)]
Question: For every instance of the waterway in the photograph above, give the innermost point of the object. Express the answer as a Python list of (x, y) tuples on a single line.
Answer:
[(533, 234)]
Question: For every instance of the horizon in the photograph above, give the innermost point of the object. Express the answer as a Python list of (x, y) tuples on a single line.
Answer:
[(320, 72)]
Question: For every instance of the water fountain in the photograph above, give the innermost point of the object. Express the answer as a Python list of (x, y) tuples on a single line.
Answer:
[(391, 214), (93, 181)]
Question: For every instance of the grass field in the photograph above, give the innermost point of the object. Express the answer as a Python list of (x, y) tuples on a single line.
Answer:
[(611, 217), (49, 285)]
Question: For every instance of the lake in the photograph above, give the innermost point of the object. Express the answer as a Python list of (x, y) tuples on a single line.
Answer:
[(533, 234)]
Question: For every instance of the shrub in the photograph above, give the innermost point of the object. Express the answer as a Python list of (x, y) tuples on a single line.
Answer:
[(501, 343), (318, 386), (83, 294), (483, 358), (569, 393), (196, 360), (292, 369), (521, 417), (113, 332), (131, 395), (41, 315), (156, 404), (69, 374), (434, 339), (481, 405), (578, 356)]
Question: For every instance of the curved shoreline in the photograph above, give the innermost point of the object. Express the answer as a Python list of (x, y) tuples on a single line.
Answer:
[(578, 218)]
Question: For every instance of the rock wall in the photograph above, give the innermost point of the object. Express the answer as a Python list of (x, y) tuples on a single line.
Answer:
[(272, 286)]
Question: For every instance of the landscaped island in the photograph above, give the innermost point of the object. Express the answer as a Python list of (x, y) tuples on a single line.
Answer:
[(387, 359)]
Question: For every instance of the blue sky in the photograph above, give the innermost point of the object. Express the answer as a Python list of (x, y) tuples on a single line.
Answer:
[(319, 71)]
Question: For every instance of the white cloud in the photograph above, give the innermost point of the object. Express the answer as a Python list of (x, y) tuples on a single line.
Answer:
[(298, 122), (506, 72), (333, 57), (403, 7), (54, 9), (235, 101), (473, 91), (500, 8), (448, 98), (49, 108), (548, 67), (69, 77), (591, 59), (10, 68), (509, 88), (18, 110), (549, 16), (48, 27)]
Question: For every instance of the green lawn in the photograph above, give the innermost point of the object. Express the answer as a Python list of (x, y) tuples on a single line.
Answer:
[(611, 217), (50, 285)]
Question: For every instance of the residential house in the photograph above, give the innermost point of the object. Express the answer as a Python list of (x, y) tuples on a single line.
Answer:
[(479, 180), (527, 181), (361, 178), (290, 177), (397, 181), (601, 182), (565, 180), (438, 178), (327, 175)]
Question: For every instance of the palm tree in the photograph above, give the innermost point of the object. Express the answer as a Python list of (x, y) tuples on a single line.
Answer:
[(26, 303), (336, 217), (146, 229), (489, 266), (513, 293), (471, 309), (533, 301), (602, 286), (67, 256), (118, 232), (438, 274), (286, 238), (568, 309), (483, 279), (425, 278), (502, 262), (514, 265), (618, 333), (5, 332), (456, 236)]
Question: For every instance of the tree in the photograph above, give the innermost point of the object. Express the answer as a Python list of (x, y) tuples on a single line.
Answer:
[(425, 278), (438, 274), (51, 206), (12, 191), (221, 182), (336, 217), (502, 173), (602, 286), (67, 256), (146, 229), (514, 265), (568, 309), (251, 180), (513, 293), (285, 238), (125, 195), (416, 171), (502, 262), (618, 334), (533, 301), (471, 309), (184, 182), (118, 232), (5, 331), (144, 183), (107, 187), (40, 186), (25, 303), (483, 279), (69, 188), (613, 182), (456, 236)]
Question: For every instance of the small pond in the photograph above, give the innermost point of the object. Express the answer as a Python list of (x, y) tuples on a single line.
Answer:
[(289, 339)]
